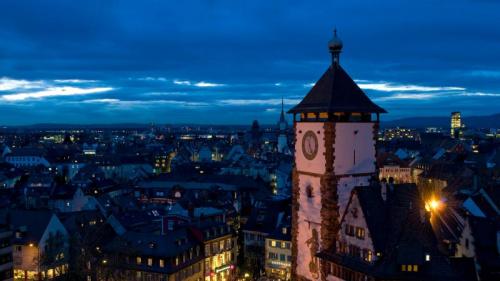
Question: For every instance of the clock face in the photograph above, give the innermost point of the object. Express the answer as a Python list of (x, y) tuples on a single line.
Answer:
[(309, 145)]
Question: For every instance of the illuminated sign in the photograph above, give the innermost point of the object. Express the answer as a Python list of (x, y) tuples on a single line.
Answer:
[(223, 268)]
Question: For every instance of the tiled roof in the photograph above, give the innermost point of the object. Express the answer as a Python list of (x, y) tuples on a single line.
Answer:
[(335, 91)]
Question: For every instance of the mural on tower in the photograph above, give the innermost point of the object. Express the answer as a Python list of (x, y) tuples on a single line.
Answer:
[(313, 244)]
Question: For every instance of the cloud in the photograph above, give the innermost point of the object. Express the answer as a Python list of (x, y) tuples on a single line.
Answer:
[(200, 84), (203, 84), (149, 78), (54, 92), (479, 94), (136, 103), (101, 101), (166, 94), (75, 81), (390, 87), (7, 84), (182, 82), (407, 97), (246, 102)]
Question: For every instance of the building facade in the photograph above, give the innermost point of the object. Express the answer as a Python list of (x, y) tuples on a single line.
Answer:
[(6, 265), (278, 264), (455, 124)]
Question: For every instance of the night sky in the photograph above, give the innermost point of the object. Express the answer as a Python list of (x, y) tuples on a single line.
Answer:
[(229, 62)]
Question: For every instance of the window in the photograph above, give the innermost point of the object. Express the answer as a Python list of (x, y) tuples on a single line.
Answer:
[(273, 256), (360, 233), (162, 263), (349, 230), (427, 257), (150, 262), (409, 267), (367, 255), (138, 260), (282, 257), (273, 243), (354, 251), (309, 191)]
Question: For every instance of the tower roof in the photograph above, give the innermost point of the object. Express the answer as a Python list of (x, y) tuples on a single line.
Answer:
[(335, 91)]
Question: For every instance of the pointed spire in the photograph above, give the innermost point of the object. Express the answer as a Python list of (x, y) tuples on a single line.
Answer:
[(335, 45), (282, 116)]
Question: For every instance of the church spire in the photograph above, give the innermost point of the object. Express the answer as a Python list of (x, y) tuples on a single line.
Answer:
[(282, 116)]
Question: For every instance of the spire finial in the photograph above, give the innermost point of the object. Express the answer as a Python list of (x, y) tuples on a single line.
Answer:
[(282, 103), (335, 45)]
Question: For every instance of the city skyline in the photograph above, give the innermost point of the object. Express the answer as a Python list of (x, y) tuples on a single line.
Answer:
[(219, 62)]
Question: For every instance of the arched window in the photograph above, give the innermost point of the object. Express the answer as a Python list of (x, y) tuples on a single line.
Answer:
[(309, 191)]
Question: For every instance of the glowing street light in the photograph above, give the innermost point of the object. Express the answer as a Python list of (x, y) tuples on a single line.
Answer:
[(433, 205)]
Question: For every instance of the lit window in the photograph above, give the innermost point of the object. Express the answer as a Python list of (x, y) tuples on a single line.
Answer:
[(162, 263), (427, 257), (150, 262), (415, 268), (360, 233), (273, 243), (138, 260)]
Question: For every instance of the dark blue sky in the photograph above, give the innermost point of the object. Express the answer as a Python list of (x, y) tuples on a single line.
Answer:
[(97, 61)]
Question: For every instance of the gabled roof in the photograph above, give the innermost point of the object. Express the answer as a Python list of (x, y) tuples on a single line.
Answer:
[(33, 223), (335, 91)]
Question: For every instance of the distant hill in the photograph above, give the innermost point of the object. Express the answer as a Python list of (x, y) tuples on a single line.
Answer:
[(490, 121)]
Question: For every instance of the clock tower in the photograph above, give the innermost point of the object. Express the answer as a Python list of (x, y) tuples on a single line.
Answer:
[(336, 128)]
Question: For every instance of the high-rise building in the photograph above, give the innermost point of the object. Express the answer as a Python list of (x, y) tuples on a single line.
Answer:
[(336, 128), (456, 124)]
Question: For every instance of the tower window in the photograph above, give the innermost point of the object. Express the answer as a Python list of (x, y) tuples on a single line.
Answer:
[(309, 191)]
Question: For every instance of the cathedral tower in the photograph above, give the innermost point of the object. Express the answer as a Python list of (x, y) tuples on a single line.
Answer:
[(335, 131)]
